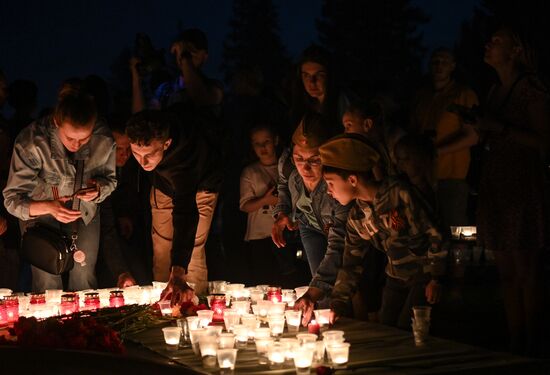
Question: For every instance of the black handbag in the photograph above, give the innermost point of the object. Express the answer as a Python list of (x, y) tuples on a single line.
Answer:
[(49, 248)]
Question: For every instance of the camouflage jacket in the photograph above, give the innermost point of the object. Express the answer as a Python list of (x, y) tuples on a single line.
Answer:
[(398, 223)]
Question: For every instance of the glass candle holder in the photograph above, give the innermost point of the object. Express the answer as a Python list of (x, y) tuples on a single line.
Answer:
[(242, 307), (172, 335), (205, 317), (333, 337), (235, 290), (68, 304), (293, 320), (276, 324), (305, 338), (227, 358), (226, 340), (262, 333), (217, 286), (165, 307), (289, 296), (251, 323), (3, 315), (192, 322), (182, 323), (262, 347), (91, 301), (39, 299), (303, 358), (322, 316), (194, 336), (116, 298), (313, 327), (214, 330), (11, 304), (217, 305), (422, 313), (274, 294), (256, 295), (262, 308), (53, 295), (231, 317), (291, 345), (276, 355), (339, 353), (300, 291), (208, 345), (277, 308), (241, 335)]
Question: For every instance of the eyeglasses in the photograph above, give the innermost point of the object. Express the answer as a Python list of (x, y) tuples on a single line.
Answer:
[(314, 161)]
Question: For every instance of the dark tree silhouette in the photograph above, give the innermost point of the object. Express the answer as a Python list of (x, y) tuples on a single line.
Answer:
[(253, 41), (375, 43)]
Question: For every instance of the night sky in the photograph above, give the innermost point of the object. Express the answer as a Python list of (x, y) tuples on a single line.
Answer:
[(48, 41)]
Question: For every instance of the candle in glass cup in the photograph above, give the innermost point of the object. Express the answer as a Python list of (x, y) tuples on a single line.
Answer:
[(290, 344), (3, 315), (231, 317), (322, 316), (256, 295), (227, 358), (339, 353), (277, 308), (313, 327), (226, 340), (91, 301), (205, 317), (241, 334), (293, 320), (12, 308), (116, 298), (251, 323), (262, 347), (242, 307), (276, 353), (333, 337), (165, 307), (68, 304), (303, 357), (217, 304), (172, 335), (208, 345), (263, 308), (276, 324), (274, 294), (305, 338)]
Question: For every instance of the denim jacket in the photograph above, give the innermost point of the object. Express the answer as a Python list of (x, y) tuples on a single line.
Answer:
[(40, 162), (331, 218)]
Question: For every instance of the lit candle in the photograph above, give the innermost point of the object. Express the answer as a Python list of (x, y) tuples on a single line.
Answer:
[(274, 294), (313, 327), (12, 308), (68, 304), (116, 298), (322, 316), (91, 301), (172, 335), (217, 304)]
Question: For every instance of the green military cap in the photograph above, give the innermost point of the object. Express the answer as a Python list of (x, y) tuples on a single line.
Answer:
[(310, 132), (350, 152)]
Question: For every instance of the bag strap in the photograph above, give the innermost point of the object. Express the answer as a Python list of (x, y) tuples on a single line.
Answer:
[(76, 201)]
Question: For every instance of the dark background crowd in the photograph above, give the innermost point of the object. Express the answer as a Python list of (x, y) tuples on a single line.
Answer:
[(373, 58)]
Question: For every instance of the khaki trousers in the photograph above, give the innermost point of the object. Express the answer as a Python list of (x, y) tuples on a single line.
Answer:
[(163, 232)]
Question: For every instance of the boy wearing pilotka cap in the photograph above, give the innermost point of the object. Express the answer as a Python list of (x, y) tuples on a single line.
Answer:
[(391, 217)]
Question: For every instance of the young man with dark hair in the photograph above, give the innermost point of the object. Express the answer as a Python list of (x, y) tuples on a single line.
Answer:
[(185, 176), (390, 217)]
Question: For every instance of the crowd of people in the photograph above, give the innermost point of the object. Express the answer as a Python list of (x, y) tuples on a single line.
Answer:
[(322, 173)]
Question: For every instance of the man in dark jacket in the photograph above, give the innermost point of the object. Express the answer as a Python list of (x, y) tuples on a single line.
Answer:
[(185, 174)]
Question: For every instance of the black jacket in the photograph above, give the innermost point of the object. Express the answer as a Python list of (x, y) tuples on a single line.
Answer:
[(190, 164)]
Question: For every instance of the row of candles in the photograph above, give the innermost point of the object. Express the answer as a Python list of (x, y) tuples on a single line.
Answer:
[(205, 332), (56, 302)]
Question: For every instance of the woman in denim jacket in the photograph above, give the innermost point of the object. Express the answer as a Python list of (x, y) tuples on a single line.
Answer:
[(42, 178)]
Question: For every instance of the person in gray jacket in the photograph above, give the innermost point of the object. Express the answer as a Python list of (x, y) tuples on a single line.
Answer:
[(42, 178), (305, 205)]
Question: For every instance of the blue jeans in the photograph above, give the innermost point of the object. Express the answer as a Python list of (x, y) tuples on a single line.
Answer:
[(315, 245), (80, 277)]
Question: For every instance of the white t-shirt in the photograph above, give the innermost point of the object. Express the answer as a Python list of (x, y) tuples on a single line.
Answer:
[(256, 179)]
